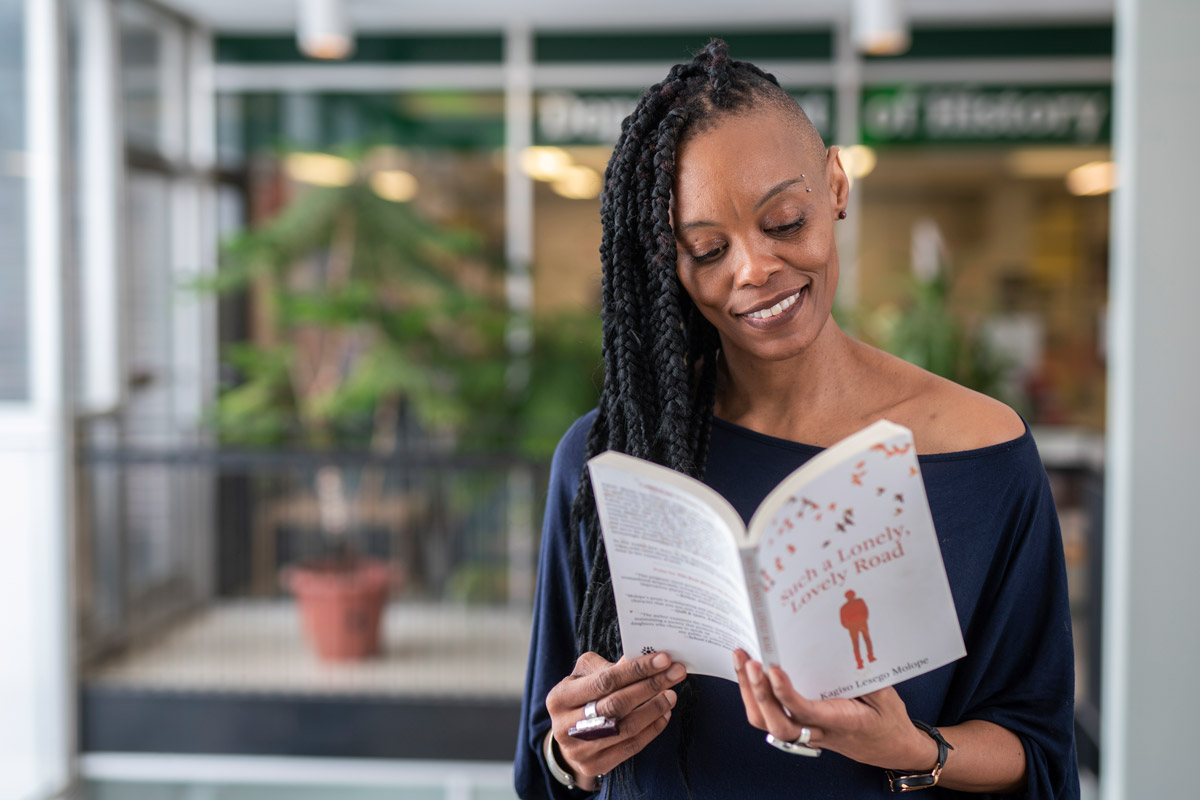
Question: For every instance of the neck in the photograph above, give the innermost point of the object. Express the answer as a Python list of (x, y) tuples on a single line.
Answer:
[(795, 398)]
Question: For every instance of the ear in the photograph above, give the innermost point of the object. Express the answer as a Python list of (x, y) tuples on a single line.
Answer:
[(839, 184)]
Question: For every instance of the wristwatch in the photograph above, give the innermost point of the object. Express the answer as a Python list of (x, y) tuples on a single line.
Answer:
[(922, 780)]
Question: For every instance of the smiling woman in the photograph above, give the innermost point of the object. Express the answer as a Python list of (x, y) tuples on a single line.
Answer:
[(758, 257), (723, 361)]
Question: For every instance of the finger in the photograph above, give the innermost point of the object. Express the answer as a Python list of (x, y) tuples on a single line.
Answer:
[(753, 713), (595, 756), (563, 697), (785, 693), (645, 715), (780, 723), (590, 663), (621, 703), (626, 749), (611, 678)]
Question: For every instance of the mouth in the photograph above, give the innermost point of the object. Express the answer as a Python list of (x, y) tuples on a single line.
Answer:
[(775, 309)]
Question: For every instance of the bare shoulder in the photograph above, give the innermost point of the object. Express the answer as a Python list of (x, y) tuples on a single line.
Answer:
[(944, 416), (950, 418)]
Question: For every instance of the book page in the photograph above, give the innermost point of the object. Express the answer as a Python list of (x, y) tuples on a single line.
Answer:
[(677, 572), (852, 575)]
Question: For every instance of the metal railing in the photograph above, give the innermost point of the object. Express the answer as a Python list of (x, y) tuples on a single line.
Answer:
[(168, 532)]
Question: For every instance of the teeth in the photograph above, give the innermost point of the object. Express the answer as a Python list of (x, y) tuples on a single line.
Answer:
[(778, 308)]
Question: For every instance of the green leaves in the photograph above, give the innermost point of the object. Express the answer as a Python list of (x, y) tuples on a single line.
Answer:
[(362, 304)]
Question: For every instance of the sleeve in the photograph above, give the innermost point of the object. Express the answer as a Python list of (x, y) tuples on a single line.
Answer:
[(552, 644), (1020, 673)]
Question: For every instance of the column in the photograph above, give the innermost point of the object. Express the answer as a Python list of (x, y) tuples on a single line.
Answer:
[(1150, 699)]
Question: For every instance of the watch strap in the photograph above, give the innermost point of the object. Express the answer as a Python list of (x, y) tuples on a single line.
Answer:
[(922, 780)]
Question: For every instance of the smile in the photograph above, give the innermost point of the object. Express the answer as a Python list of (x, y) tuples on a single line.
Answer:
[(775, 310)]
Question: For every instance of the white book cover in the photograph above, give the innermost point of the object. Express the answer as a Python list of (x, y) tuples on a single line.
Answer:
[(838, 579)]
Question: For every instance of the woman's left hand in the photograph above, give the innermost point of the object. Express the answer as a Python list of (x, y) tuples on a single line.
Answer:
[(872, 729)]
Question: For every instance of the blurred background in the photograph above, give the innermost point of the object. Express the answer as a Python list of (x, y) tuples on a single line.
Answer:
[(299, 295)]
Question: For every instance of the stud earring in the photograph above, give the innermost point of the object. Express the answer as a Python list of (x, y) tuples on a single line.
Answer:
[(807, 189), (841, 215)]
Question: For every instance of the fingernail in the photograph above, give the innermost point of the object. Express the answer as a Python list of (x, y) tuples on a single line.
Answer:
[(676, 672), (754, 671), (672, 698), (667, 716), (659, 661)]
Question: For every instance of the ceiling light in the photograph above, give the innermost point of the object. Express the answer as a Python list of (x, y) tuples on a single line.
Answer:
[(578, 182), (394, 184), (878, 27), (857, 160), (319, 169), (1096, 177), (545, 163), (323, 29)]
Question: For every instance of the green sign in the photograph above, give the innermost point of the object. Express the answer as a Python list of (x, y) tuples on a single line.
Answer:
[(567, 118), (1079, 115)]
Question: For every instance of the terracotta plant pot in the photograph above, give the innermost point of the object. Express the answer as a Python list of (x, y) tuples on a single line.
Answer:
[(341, 604)]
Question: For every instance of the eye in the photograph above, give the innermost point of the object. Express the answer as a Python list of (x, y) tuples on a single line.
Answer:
[(709, 255), (790, 227)]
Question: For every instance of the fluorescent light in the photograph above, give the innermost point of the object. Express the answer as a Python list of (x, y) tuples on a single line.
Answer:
[(394, 184), (1096, 177), (323, 29), (319, 169), (878, 27)]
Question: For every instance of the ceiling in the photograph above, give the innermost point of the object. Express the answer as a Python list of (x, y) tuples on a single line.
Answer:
[(398, 15)]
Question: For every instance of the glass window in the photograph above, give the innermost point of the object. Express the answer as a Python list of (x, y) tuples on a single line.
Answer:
[(1023, 262), (14, 339), (151, 79)]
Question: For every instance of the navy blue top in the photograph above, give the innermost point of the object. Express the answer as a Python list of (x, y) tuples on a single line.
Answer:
[(1003, 553)]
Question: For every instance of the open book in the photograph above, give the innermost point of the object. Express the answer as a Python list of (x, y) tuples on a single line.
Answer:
[(838, 578)]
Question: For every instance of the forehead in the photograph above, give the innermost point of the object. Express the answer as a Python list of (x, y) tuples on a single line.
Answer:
[(741, 156)]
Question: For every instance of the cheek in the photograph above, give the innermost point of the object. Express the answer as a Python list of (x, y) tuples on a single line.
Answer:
[(709, 303), (703, 286)]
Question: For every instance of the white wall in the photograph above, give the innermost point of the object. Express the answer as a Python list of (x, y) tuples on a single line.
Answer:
[(1151, 700)]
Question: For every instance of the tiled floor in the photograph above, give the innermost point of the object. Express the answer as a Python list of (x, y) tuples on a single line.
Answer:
[(257, 646)]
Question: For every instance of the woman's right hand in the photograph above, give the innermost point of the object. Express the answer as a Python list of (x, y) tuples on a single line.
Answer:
[(636, 692)]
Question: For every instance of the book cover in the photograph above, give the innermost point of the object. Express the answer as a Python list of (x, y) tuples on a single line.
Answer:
[(838, 578)]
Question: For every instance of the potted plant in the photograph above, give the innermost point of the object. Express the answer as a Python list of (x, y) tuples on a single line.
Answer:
[(374, 319)]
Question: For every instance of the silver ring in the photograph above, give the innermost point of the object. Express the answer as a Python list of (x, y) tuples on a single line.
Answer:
[(589, 711), (793, 747), (805, 735)]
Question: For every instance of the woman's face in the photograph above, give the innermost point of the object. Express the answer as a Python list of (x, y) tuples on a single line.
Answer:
[(753, 213)]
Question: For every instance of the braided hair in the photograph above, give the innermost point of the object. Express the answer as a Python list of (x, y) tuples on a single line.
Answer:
[(660, 353)]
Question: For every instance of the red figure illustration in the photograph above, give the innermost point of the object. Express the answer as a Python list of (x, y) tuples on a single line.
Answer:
[(854, 619)]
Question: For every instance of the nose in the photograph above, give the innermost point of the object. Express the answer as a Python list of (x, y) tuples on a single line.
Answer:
[(754, 265)]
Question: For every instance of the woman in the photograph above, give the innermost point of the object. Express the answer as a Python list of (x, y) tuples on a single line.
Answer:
[(722, 361)]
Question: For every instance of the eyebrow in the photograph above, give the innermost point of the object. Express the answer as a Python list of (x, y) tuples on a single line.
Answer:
[(774, 190)]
